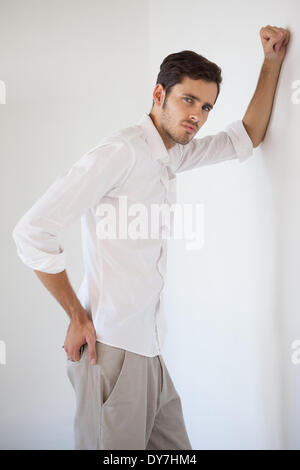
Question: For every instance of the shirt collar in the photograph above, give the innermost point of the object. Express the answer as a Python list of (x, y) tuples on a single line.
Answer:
[(159, 151)]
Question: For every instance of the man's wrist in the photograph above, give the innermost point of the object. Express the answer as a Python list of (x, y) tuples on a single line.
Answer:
[(78, 316), (272, 64)]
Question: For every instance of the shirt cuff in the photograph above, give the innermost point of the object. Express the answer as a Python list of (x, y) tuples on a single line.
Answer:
[(240, 140), (52, 262)]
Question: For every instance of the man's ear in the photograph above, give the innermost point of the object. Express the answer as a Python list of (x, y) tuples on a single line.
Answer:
[(159, 94)]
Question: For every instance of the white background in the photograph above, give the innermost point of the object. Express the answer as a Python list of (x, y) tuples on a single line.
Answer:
[(75, 72)]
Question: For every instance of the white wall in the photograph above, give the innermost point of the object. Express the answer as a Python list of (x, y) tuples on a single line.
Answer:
[(74, 73), (77, 71), (231, 315)]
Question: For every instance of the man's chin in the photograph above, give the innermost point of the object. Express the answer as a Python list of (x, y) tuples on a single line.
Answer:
[(185, 141), (182, 140)]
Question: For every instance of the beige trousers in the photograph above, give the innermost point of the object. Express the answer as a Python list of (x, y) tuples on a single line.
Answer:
[(125, 401)]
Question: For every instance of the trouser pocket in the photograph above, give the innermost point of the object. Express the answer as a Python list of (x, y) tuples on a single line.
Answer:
[(111, 368)]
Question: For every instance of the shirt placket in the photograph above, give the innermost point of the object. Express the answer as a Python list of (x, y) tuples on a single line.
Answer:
[(161, 260)]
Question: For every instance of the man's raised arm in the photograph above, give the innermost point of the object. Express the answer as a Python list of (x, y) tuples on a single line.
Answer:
[(257, 116)]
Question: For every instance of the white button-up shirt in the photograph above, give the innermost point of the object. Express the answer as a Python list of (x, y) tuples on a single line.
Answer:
[(122, 286)]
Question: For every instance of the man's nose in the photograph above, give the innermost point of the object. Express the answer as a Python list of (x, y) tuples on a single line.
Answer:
[(194, 119)]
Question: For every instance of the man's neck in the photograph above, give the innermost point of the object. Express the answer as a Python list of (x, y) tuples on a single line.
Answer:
[(168, 142)]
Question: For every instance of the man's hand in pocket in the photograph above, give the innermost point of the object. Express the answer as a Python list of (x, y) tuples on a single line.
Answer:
[(80, 331)]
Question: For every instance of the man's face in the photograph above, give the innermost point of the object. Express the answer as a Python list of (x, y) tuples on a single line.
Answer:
[(183, 110)]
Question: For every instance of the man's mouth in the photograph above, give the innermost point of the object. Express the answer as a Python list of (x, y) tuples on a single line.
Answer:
[(190, 129)]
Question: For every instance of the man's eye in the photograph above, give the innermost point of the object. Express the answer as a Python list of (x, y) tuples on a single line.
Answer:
[(207, 107)]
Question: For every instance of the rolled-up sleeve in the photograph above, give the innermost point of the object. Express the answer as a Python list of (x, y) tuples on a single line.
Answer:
[(36, 234), (232, 143)]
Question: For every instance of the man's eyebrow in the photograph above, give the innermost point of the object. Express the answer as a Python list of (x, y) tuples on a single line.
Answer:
[(197, 99)]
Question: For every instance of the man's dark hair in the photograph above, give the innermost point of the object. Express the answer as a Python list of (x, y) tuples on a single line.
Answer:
[(175, 67)]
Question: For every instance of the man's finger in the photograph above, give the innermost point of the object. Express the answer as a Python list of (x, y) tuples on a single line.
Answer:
[(269, 33), (77, 355), (272, 41), (92, 350), (272, 34), (287, 38), (269, 38)]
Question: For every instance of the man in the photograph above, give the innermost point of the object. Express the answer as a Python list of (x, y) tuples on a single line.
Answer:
[(125, 397)]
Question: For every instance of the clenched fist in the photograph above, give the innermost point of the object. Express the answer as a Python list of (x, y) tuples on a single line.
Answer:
[(274, 41)]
